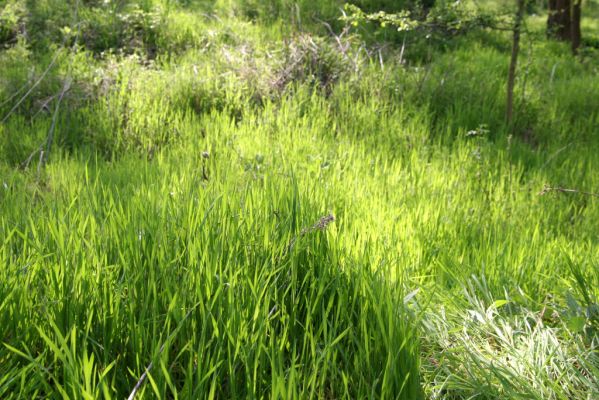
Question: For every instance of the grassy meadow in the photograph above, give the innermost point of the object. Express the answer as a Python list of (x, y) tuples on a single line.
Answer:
[(255, 199)]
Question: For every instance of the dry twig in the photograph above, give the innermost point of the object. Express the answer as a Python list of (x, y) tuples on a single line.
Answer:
[(549, 189)]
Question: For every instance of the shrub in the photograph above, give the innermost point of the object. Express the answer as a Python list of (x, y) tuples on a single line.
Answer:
[(12, 21)]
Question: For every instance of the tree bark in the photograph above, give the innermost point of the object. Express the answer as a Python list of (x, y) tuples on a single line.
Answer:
[(559, 19), (563, 21), (575, 33), (552, 18), (511, 80)]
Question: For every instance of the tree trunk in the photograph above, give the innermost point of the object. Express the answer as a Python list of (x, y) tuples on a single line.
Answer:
[(563, 21), (511, 80), (575, 33), (552, 18)]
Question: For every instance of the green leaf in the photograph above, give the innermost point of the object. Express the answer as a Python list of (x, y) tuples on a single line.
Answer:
[(499, 303), (576, 324)]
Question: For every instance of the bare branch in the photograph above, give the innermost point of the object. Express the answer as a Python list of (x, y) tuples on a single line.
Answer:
[(143, 376), (549, 189)]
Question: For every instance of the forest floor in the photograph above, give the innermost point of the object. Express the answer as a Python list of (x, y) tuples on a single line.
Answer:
[(245, 201)]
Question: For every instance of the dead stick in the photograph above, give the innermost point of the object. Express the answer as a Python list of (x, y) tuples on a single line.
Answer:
[(143, 377), (548, 189)]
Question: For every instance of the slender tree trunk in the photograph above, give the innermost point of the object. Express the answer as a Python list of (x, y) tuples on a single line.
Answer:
[(511, 80), (575, 33)]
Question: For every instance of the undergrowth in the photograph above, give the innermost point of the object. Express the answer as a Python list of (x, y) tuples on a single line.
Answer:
[(254, 199)]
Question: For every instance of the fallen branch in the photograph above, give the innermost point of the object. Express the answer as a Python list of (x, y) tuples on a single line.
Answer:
[(25, 164), (549, 189), (143, 377), (35, 84), (50, 138)]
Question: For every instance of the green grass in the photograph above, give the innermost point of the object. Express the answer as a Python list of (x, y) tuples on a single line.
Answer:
[(182, 216), (218, 272)]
